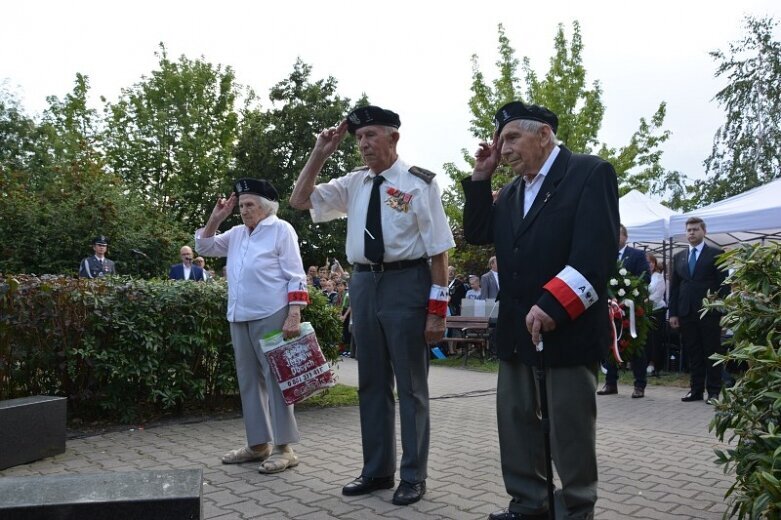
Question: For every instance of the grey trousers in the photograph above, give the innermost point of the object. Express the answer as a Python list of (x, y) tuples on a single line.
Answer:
[(389, 320), (266, 416), (573, 415)]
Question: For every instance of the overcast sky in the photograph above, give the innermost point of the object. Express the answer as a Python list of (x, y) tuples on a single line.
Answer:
[(409, 56)]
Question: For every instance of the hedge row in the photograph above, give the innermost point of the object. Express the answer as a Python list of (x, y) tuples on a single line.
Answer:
[(119, 347)]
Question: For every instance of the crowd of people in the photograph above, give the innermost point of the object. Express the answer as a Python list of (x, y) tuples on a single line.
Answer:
[(555, 230)]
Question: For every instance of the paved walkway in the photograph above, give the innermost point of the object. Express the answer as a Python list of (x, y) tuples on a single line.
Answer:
[(655, 459)]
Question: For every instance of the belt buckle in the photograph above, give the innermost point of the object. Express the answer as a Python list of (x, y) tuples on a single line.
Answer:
[(377, 268)]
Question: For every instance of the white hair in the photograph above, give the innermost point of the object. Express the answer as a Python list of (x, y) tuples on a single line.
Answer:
[(533, 127), (269, 207)]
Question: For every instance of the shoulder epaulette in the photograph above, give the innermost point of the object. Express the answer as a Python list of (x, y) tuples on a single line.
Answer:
[(423, 174)]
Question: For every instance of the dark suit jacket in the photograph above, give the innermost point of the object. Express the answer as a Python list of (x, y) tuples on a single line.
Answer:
[(636, 263), (573, 221), (457, 291), (488, 286), (687, 292), (177, 273)]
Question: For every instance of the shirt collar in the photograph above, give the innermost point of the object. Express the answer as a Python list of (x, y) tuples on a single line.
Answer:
[(621, 251), (697, 247), (391, 174), (265, 222), (546, 166)]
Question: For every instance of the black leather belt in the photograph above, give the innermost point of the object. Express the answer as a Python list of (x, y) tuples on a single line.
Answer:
[(389, 266)]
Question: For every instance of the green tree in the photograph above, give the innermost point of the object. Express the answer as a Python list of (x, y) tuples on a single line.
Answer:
[(17, 131), (578, 104), (746, 148), (57, 195), (171, 135), (275, 144)]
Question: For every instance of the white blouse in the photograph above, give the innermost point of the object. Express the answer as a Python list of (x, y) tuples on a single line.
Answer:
[(656, 290), (265, 270)]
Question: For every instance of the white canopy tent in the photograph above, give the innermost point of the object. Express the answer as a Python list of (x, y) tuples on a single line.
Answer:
[(646, 221), (752, 215)]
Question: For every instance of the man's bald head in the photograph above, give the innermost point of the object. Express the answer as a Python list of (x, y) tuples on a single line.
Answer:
[(186, 253)]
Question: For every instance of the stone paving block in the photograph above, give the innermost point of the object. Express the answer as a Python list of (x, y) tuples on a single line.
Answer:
[(646, 503), (337, 507)]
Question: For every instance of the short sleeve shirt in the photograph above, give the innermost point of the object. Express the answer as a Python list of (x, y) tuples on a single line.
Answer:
[(414, 224)]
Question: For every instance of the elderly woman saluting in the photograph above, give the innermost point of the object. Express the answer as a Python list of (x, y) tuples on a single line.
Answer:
[(266, 291)]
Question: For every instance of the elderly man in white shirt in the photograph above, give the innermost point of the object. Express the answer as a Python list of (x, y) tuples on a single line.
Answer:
[(397, 240), (266, 291)]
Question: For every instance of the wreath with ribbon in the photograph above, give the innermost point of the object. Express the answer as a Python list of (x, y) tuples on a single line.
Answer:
[(630, 314)]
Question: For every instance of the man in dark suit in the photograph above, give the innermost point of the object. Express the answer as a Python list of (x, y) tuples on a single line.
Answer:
[(694, 274), (456, 290), (634, 261), (555, 231), (489, 282), (97, 265), (186, 270)]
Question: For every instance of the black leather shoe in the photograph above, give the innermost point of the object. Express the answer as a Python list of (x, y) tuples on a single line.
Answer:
[(712, 398), (363, 485), (409, 492), (608, 390), (505, 514), (638, 393), (692, 396)]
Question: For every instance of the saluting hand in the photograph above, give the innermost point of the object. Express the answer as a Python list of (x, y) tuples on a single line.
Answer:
[(329, 139), (487, 159), (224, 207)]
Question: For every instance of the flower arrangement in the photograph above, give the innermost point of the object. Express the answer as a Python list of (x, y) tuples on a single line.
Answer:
[(631, 313)]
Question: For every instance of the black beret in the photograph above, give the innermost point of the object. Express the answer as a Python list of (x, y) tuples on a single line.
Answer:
[(100, 240), (260, 187), (517, 110), (371, 115)]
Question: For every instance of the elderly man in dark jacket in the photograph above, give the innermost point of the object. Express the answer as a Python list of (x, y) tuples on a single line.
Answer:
[(555, 228)]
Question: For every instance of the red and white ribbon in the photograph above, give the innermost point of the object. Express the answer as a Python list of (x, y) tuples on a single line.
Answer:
[(614, 313)]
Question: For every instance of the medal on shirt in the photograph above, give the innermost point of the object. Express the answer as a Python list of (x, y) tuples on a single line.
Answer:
[(398, 200)]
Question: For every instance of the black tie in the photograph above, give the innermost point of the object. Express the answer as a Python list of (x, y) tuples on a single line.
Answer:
[(373, 246)]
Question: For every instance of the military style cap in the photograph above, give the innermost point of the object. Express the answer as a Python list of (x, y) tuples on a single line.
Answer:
[(260, 187), (100, 241), (371, 115), (518, 110)]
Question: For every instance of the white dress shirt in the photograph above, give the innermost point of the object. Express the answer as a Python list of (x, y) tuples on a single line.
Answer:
[(263, 268), (186, 270), (531, 189), (698, 248), (420, 231)]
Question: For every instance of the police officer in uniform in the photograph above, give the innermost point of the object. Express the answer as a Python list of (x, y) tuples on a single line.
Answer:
[(397, 240), (97, 265)]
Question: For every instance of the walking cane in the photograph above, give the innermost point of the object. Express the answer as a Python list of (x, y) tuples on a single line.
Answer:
[(545, 427)]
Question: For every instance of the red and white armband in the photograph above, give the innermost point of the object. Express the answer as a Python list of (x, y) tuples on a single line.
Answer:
[(298, 296), (437, 301), (573, 291)]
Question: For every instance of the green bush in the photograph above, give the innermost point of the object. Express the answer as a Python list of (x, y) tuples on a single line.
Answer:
[(751, 410), (123, 348)]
